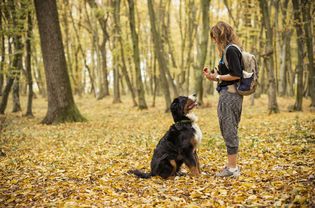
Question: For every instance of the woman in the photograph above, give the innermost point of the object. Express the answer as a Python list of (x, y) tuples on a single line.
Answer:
[(230, 102)]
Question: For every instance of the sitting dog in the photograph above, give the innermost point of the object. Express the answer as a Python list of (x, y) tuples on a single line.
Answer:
[(179, 144)]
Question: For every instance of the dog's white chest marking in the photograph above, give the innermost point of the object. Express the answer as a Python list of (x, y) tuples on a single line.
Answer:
[(198, 133)]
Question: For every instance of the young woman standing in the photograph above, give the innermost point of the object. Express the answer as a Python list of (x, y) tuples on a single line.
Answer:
[(230, 102)]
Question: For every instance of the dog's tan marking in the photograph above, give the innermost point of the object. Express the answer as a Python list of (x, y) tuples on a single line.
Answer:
[(173, 163), (194, 171)]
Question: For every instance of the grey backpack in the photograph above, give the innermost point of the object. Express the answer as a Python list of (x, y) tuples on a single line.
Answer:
[(249, 80)]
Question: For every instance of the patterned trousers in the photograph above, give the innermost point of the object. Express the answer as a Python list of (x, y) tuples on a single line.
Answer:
[(229, 114)]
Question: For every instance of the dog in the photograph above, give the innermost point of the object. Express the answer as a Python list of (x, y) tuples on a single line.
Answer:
[(178, 146)]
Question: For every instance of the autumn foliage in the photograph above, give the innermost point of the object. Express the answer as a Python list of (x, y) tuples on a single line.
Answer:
[(85, 164)]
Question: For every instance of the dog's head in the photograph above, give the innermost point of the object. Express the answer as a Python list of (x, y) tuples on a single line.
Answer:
[(182, 106)]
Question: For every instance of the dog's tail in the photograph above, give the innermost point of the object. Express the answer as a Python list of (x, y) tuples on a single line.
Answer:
[(140, 174)]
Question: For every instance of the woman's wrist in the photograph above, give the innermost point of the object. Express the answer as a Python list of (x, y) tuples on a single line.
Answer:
[(218, 78)]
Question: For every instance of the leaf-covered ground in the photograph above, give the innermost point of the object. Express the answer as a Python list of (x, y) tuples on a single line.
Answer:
[(85, 164)]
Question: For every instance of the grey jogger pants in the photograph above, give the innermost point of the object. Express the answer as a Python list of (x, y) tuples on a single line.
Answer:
[(229, 114)]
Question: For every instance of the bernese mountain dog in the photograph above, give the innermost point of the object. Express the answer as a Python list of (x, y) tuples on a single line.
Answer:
[(178, 146)]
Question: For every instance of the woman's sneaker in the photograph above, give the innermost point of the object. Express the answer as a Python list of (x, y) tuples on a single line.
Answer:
[(226, 172)]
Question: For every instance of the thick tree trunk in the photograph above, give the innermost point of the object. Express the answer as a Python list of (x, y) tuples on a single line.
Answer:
[(116, 65), (160, 56), (61, 106), (299, 67), (202, 49), (268, 59), (136, 56), (29, 112), (310, 53)]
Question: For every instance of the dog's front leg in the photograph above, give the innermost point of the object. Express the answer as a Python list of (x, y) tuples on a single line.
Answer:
[(191, 163), (197, 161)]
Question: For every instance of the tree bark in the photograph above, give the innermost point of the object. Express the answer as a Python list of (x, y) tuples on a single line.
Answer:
[(283, 53), (202, 49), (160, 56), (268, 59), (16, 95), (116, 17), (61, 105), (309, 46), (136, 56), (192, 26), (300, 43), (29, 78), (2, 51)]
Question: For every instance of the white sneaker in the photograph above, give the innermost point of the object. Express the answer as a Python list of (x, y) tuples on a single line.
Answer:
[(227, 173)]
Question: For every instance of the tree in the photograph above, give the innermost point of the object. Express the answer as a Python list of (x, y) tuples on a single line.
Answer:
[(268, 58), (14, 71), (61, 105), (286, 33), (309, 46), (136, 56), (202, 49), (299, 67), (2, 49), (103, 22), (116, 17), (158, 49), (29, 78)]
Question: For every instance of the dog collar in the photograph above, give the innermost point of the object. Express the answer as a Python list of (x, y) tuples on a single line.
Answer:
[(183, 121)]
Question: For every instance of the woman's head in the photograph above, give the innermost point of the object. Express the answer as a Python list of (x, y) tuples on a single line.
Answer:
[(223, 34)]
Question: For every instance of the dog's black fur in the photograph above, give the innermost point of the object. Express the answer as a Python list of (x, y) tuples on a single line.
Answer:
[(177, 146)]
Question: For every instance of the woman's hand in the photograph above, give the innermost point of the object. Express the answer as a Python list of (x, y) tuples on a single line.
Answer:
[(210, 76)]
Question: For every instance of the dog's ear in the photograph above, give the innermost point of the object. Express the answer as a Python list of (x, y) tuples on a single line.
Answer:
[(176, 109)]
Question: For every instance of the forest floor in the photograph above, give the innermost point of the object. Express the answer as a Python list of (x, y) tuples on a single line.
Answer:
[(86, 164)]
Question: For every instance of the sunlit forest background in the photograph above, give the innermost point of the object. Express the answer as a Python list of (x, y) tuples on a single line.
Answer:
[(106, 71), (110, 48)]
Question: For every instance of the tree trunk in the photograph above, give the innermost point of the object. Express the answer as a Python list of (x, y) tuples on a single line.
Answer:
[(16, 96), (202, 49), (165, 39), (136, 56), (2, 51), (160, 56), (61, 106), (290, 74), (309, 45), (116, 16), (103, 23), (283, 52), (29, 78), (37, 74), (191, 33), (299, 67), (169, 36), (268, 59)]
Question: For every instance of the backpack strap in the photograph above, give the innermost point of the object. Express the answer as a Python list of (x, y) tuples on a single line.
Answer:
[(225, 50)]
